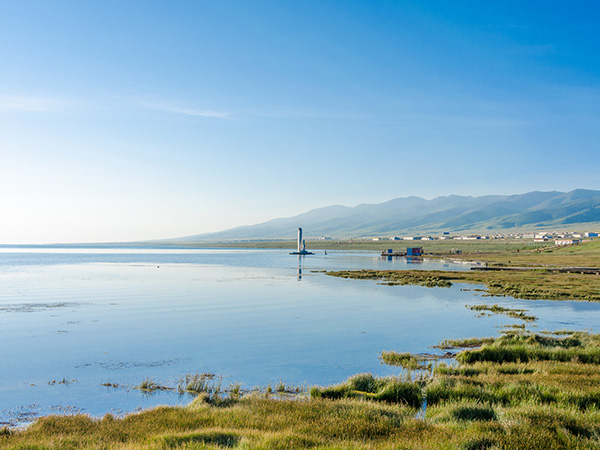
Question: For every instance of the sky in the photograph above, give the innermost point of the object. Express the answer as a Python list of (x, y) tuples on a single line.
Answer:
[(137, 120)]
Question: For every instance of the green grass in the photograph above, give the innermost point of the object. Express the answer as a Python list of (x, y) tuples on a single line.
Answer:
[(149, 385), (527, 284), (407, 360), (510, 312), (366, 386), (464, 343), (508, 398), (398, 277), (199, 383)]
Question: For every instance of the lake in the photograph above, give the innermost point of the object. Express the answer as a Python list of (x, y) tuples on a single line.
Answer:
[(99, 315)]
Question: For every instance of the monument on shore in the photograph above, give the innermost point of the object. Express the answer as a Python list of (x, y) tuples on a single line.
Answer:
[(301, 245)]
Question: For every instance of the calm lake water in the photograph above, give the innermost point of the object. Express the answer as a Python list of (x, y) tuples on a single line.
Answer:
[(255, 317)]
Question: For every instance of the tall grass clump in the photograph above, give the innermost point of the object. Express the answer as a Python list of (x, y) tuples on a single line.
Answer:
[(366, 386), (196, 383), (149, 385), (523, 347)]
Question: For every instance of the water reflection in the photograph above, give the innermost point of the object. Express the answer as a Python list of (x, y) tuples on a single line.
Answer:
[(300, 258)]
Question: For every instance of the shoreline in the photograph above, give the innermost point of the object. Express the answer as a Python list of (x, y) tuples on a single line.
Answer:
[(542, 385)]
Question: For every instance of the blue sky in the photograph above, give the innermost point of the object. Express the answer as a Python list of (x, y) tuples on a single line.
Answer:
[(126, 120)]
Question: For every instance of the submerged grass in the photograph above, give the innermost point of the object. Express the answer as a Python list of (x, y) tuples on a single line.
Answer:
[(519, 390), (510, 312)]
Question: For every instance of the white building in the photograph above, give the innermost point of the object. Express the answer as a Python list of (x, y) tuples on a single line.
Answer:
[(567, 241)]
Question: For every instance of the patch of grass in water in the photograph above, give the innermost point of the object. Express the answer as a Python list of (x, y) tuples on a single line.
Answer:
[(148, 385), (464, 343), (196, 383), (512, 328), (64, 381), (510, 312), (406, 360)]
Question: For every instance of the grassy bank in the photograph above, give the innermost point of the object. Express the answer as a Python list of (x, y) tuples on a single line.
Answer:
[(538, 282), (522, 390), (529, 284), (585, 254), (437, 246), (509, 252)]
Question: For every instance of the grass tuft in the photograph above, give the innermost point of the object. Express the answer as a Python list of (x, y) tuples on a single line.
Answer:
[(149, 385), (481, 413), (196, 383)]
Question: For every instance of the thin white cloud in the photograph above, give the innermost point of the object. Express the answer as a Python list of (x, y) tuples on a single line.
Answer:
[(282, 113), (199, 112), (194, 112), (29, 104)]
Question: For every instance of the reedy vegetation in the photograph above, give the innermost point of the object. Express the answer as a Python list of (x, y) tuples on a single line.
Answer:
[(521, 390), (510, 312), (529, 284)]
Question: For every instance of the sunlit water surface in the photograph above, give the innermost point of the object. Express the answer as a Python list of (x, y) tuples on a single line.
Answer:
[(255, 317)]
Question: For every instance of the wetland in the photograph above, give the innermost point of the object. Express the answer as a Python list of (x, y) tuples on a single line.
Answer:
[(112, 331)]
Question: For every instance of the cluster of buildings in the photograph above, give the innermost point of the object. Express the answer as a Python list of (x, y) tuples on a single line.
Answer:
[(558, 238), (561, 238), (432, 238)]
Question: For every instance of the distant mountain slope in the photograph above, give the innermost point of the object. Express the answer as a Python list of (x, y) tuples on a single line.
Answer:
[(406, 215)]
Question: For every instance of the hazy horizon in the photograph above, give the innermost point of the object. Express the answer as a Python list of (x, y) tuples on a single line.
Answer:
[(138, 121)]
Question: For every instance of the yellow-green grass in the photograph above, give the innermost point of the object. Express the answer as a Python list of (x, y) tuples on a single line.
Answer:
[(585, 254), (526, 284), (533, 404), (511, 252), (515, 313), (435, 246)]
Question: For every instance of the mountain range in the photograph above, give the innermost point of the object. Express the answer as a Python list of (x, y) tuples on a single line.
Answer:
[(415, 215)]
